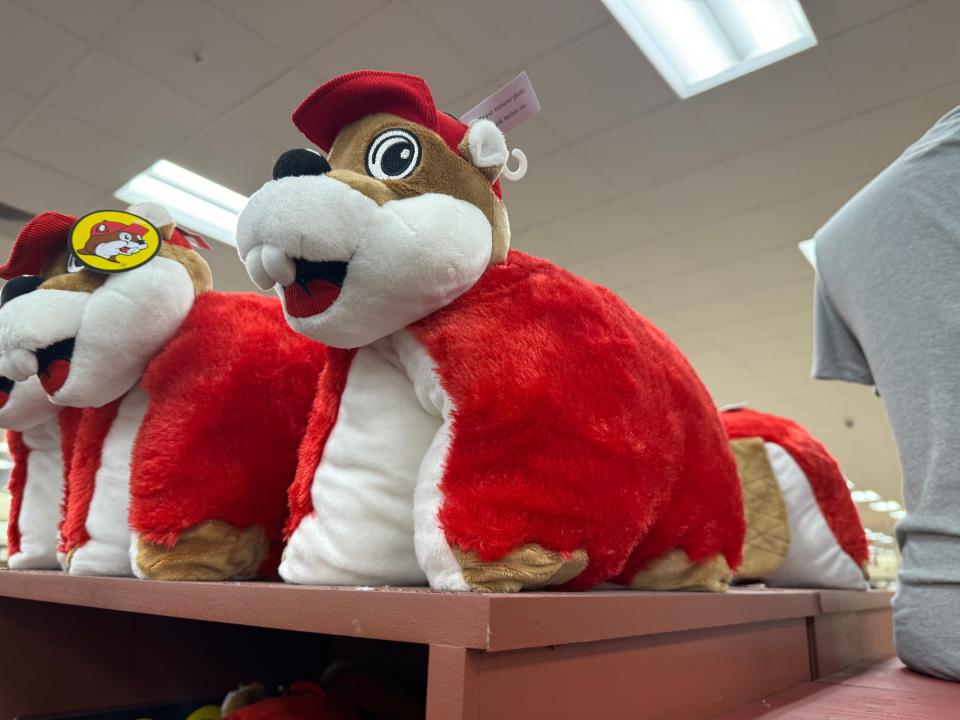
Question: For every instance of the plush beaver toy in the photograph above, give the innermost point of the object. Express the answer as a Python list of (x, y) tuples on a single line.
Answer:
[(803, 528), (194, 403), (35, 440), (486, 421)]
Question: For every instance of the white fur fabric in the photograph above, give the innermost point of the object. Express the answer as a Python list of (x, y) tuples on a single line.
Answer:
[(33, 321), (407, 258), (362, 529), (107, 552), (39, 518), (814, 558), (27, 407), (118, 329)]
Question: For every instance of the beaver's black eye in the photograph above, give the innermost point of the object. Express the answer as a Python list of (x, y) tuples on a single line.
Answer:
[(393, 154), (73, 265)]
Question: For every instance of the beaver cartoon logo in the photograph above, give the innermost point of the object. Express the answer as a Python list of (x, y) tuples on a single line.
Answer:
[(112, 241)]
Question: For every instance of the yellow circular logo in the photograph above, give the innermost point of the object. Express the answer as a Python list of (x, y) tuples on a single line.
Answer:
[(110, 241)]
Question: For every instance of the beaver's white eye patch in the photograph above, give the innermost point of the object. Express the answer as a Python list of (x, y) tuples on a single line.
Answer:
[(73, 265), (393, 154)]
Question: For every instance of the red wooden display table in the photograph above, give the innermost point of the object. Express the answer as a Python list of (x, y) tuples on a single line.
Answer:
[(76, 642)]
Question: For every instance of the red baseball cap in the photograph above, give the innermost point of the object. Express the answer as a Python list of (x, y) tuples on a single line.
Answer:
[(40, 238), (109, 226), (349, 97)]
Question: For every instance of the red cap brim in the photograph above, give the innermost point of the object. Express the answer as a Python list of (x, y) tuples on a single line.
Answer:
[(36, 243)]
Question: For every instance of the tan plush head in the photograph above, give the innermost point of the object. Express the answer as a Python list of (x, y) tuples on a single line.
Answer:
[(89, 335), (400, 218)]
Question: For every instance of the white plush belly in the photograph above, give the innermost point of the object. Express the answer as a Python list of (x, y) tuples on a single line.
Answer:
[(107, 550), (362, 527), (39, 517), (814, 558)]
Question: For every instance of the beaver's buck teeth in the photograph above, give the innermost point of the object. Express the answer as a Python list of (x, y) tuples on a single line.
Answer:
[(278, 265), (268, 265), (18, 364)]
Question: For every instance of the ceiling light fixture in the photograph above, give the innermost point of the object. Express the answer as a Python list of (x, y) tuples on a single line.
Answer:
[(194, 201), (699, 44), (898, 514), (807, 248), (885, 506)]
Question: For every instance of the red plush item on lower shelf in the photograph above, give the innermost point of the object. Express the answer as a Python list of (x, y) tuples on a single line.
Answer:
[(310, 703)]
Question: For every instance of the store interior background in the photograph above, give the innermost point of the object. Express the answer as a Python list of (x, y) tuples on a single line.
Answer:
[(691, 210)]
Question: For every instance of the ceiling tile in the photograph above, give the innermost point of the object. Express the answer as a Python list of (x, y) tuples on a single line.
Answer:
[(396, 38), (90, 19), (14, 107), (799, 217), (650, 149), (229, 155), (589, 233), (150, 114), (891, 129), (595, 83), (832, 17), (34, 53), (502, 35), (701, 196), (900, 55), (828, 156), (205, 54), (78, 149), (549, 188), (779, 101), (34, 188), (299, 27), (268, 112)]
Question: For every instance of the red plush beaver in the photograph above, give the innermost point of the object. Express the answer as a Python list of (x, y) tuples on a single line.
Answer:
[(486, 421), (193, 404)]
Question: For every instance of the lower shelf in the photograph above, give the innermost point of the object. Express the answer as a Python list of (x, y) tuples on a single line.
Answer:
[(81, 641)]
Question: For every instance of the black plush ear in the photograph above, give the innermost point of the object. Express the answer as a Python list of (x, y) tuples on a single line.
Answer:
[(485, 147)]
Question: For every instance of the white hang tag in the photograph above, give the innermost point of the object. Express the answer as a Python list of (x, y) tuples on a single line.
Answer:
[(509, 107)]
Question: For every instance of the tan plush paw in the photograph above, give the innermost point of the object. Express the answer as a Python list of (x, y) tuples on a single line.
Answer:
[(212, 550), (675, 571), (529, 567)]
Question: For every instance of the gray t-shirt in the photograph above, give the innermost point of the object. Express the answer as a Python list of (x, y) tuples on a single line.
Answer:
[(887, 313)]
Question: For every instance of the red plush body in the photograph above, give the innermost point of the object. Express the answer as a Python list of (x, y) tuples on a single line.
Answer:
[(229, 399), (578, 425), (16, 482), (821, 468)]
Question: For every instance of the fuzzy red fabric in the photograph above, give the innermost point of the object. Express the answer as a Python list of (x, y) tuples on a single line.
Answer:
[(89, 433), (349, 97), (578, 425), (68, 420), (820, 467), (323, 416), (44, 234), (229, 401), (16, 483), (312, 705)]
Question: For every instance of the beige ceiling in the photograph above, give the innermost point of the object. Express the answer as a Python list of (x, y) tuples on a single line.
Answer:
[(690, 209)]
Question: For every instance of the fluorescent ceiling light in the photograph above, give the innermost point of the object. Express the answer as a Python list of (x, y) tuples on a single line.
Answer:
[(885, 505), (898, 514), (699, 44), (864, 496), (195, 202)]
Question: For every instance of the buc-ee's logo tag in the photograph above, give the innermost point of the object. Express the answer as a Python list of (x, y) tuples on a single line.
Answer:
[(109, 241)]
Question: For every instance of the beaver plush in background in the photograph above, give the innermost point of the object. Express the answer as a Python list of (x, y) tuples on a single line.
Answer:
[(485, 420), (803, 528), (194, 403)]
